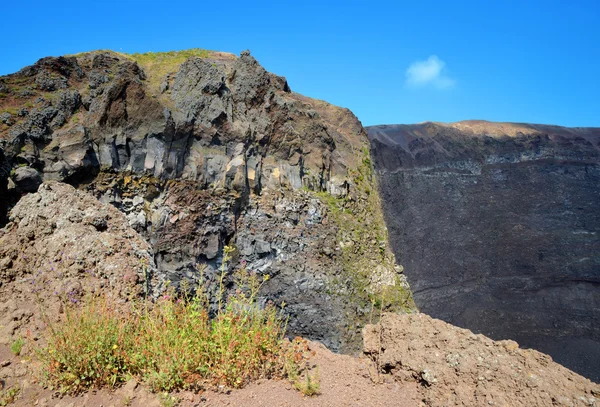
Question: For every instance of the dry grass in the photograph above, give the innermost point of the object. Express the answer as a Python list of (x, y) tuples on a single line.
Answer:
[(157, 65), (170, 345)]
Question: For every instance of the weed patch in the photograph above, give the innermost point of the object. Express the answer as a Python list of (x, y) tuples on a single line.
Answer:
[(297, 368), (17, 346), (167, 400), (9, 396), (169, 345)]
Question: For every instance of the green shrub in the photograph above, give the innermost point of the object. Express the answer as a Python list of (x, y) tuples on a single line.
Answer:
[(9, 396), (170, 345), (17, 346), (310, 386), (167, 400)]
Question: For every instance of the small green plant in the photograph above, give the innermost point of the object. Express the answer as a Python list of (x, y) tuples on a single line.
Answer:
[(9, 396), (166, 400), (298, 368), (17, 346), (311, 385)]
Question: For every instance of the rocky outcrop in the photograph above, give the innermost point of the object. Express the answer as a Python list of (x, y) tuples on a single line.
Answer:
[(455, 367), (498, 228), (221, 120), (61, 244), (4, 175), (201, 150)]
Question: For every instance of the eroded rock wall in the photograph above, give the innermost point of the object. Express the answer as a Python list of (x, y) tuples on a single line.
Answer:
[(498, 227), (205, 149)]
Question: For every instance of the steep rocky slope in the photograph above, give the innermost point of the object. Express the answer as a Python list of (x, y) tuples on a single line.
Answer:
[(498, 227), (204, 149)]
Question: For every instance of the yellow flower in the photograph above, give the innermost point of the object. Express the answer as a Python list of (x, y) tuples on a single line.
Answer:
[(115, 346), (266, 277)]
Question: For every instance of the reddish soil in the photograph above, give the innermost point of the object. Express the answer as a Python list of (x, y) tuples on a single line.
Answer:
[(345, 381), (456, 367)]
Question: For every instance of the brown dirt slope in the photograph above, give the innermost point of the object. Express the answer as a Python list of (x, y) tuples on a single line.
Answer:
[(455, 367), (62, 243)]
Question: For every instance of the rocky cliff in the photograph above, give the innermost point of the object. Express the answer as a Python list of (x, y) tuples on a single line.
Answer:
[(202, 150), (498, 227)]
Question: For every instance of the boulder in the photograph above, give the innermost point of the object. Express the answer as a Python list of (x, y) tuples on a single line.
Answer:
[(27, 179)]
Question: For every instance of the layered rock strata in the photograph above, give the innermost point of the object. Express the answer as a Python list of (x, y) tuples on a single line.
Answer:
[(202, 150), (498, 226)]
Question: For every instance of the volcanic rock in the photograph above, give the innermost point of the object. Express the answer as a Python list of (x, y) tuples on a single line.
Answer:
[(498, 228), (202, 150)]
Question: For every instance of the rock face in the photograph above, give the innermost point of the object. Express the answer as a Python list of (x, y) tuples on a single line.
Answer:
[(201, 150), (455, 367), (4, 174), (61, 244), (61, 229), (498, 227)]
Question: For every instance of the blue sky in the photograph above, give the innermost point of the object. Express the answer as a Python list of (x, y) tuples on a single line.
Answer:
[(389, 62)]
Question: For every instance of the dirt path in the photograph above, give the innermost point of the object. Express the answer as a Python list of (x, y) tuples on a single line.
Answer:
[(345, 381)]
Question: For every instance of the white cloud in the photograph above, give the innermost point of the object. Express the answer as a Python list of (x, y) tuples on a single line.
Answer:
[(429, 73)]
